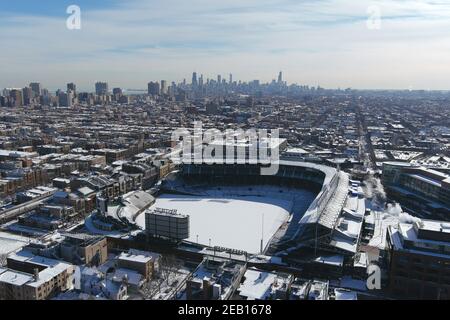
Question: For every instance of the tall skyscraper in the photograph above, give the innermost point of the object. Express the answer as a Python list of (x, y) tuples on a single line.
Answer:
[(117, 91), (6, 92), (46, 97), (101, 88), (70, 97), (171, 90), (27, 94), (16, 96), (194, 79), (219, 79), (231, 78), (72, 87), (65, 99), (280, 77), (153, 88), (36, 89), (164, 87)]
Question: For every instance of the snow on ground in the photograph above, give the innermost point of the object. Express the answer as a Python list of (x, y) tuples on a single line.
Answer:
[(229, 221)]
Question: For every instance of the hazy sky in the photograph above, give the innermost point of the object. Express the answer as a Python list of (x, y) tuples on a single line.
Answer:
[(129, 43)]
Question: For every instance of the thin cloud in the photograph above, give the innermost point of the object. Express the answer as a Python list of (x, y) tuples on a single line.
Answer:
[(320, 41)]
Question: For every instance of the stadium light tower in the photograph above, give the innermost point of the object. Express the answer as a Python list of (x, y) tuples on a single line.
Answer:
[(262, 234)]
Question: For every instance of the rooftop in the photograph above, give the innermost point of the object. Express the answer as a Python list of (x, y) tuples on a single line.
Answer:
[(138, 256), (51, 269), (257, 284)]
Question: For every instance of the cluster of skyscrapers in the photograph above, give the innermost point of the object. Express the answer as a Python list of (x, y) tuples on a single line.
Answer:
[(35, 94)]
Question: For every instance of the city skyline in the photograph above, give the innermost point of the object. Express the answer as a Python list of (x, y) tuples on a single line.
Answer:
[(186, 83), (198, 80), (326, 43)]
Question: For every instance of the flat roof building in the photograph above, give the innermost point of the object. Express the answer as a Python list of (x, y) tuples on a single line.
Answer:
[(421, 189), (30, 277), (420, 259), (145, 263)]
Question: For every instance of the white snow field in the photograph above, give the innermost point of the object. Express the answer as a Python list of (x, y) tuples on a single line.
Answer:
[(230, 222)]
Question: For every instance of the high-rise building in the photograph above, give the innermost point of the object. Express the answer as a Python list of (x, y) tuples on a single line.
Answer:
[(164, 87), (194, 79), (70, 97), (6, 92), (36, 88), (219, 79), (65, 99), (118, 95), (280, 77), (153, 88), (17, 98), (101, 88), (72, 87), (27, 94), (231, 78), (171, 90), (117, 92), (45, 98)]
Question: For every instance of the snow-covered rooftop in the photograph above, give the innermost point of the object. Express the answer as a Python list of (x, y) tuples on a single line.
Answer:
[(341, 294), (11, 242), (258, 285)]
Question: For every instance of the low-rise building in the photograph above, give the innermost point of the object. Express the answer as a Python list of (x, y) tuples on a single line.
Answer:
[(418, 188), (420, 259), (214, 279), (146, 263), (262, 285), (30, 277), (84, 249)]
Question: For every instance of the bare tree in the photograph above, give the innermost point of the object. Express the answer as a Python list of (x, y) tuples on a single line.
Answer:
[(151, 288), (169, 266)]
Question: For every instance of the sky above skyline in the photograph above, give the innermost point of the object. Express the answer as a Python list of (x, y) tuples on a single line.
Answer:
[(314, 42)]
